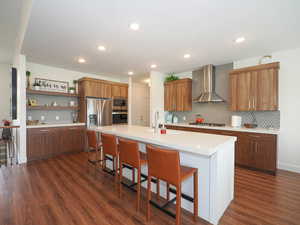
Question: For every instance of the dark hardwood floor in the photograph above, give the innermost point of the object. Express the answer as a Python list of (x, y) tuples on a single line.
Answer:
[(60, 191)]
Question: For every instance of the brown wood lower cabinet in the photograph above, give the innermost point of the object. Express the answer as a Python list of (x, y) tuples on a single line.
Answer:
[(44, 143), (252, 150)]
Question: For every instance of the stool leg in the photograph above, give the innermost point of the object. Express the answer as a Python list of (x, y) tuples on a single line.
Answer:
[(168, 192), (121, 178), (148, 197), (157, 188), (139, 189), (133, 175), (116, 170), (178, 205), (195, 195)]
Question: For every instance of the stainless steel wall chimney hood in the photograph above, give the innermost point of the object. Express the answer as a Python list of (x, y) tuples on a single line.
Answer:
[(205, 84)]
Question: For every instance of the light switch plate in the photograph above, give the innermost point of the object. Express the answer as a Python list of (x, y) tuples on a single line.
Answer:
[(57, 117)]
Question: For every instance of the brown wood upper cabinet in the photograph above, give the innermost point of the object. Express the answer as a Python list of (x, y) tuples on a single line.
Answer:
[(178, 95), (89, 87), (120, 91), (254, 88)]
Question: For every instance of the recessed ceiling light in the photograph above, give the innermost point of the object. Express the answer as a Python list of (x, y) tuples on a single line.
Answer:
[(153, 66), (101, 48), (130, 73), (81, 60), (134, 26), (186, 56), (240, 40)]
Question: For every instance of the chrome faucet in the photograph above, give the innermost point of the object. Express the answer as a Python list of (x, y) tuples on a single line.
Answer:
[(156, 117)]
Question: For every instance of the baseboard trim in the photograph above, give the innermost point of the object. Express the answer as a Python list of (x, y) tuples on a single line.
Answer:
[(289, 167)]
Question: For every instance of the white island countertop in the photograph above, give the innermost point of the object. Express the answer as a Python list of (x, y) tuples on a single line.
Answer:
[(56, 125), (230, 128), (192, 142)]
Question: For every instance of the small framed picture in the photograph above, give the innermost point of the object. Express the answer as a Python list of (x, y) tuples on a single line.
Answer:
[(52, 85)]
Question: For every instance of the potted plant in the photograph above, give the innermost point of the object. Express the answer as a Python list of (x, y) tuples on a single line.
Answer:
[(72, 90), (28, 79), (171, 77), (36, 86)]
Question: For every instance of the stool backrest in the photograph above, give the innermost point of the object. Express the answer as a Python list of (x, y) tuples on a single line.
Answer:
[(92, 139), (109, 144), (164, 164), (129, 152)]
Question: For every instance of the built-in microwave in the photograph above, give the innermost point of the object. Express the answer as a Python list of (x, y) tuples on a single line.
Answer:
[(120, 102)]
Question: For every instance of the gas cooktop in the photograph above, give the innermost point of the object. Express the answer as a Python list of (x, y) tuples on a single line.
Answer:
[(209, 124)]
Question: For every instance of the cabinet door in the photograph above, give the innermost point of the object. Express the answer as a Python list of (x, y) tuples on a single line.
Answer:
[(170, 97), (264, 155), (244, 152), (39, 144), (124, 91), (74, 139), (106, 90), (267, 90), (183, 97), (233, 92), (116, 92), (243, 93)]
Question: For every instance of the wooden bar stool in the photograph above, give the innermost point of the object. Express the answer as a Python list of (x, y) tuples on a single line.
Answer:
[(110, 147), (165, 165), (94, 149), (130, 155)]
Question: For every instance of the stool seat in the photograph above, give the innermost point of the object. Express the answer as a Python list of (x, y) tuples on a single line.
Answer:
[(186, 172)]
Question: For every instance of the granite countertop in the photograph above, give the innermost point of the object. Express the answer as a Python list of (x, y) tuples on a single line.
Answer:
[(56, 125), (227, 127)]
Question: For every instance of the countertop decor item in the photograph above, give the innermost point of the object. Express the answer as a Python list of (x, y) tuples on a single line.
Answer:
[(236, 121), (171, 77), (52, 85)]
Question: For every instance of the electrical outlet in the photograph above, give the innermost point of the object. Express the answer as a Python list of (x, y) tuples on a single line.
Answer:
[(57, 117), (29, 117), (184, 118), (42, 118)]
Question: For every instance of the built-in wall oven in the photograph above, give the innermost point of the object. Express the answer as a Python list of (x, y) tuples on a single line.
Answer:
[(119, 117)]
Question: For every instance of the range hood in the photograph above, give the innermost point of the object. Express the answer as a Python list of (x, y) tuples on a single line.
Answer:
[(204, 80)]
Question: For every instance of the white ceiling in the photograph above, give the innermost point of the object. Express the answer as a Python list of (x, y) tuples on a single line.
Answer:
[(60, 31), (10, 14)]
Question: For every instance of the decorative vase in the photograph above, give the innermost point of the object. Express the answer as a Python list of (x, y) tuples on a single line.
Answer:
[(71, 91), (28, 82), (37, 88)]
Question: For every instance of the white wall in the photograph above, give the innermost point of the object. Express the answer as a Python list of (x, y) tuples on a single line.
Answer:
[(157, 95), (20, 64), (5, 87), (55, 73), (289, 104)]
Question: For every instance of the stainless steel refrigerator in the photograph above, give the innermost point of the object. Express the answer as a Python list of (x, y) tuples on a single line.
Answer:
[(99, 112)]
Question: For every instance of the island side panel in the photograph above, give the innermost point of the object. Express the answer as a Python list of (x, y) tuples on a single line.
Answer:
[(222, 181)]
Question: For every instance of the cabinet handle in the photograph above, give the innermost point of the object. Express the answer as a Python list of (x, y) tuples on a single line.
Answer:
[(253, 103), (249, 104), (225, 133), (44, 130), (255, 136)]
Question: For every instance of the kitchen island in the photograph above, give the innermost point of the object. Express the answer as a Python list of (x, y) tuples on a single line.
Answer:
[(213, 155)]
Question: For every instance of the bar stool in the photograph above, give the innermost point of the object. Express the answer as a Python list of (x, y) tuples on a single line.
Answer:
[(110, 147), (165, 165), (93, 147), (130, 155)]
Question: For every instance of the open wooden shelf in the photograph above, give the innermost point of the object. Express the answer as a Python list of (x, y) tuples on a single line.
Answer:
[(50, 93), (41, 107)]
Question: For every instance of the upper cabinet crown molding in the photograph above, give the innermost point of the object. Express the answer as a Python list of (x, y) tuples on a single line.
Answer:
[(255, 88), (178, 95), (274, 65)]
